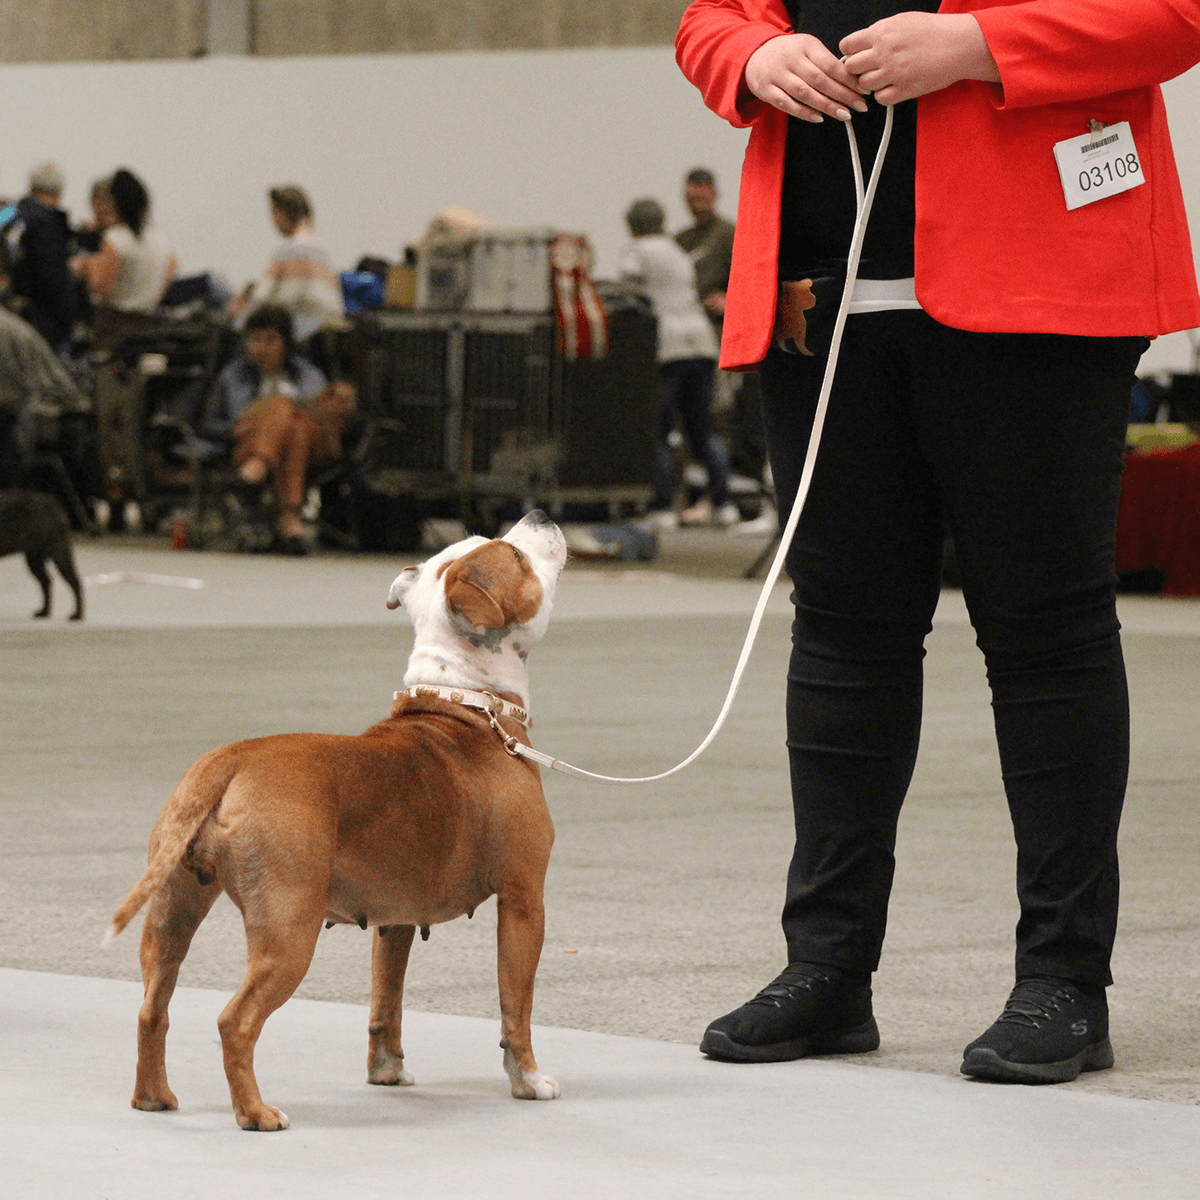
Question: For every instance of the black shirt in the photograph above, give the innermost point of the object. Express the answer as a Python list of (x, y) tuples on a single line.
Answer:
[(818, 207), (42, 273)]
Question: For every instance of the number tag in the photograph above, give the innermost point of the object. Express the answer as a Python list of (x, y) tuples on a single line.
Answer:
[(1098, 164)]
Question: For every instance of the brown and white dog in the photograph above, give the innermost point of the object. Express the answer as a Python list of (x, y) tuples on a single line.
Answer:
[(417, 821)]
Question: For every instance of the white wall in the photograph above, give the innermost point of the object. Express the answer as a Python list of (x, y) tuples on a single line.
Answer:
[(562, 138), (383, 143)]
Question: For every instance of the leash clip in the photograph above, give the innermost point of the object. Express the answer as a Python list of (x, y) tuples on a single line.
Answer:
[(509, 742)]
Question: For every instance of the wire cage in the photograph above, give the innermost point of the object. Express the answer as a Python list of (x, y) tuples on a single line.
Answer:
[(475, 398)]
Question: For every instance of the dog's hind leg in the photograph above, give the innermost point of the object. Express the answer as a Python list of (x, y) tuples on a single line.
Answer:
[(519, 933), (64, 560), (37, 567), (172, 918), (389, 960), (279, 948)]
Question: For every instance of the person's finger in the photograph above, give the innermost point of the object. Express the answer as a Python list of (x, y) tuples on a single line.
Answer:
[(829, 76), (858, 64), (786, 102), (892, 94), (886, 90), (823, 94), (852, 43), (799, 76)]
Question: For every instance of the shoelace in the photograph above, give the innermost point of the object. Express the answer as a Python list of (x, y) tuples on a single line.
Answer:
[(1034, 999), (797, 979)]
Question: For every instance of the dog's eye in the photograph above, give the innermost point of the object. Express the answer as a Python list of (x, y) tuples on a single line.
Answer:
[(520, 556)]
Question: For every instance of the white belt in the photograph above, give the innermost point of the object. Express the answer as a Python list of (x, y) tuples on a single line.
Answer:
[(883, 295)]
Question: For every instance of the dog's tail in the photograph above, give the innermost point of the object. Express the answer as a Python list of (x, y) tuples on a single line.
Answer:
[(198, 794)]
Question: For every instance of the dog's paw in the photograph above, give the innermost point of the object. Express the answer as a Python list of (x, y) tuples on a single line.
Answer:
[(392, 1074), (530, 1086), (263, 1119), (163, 1103)]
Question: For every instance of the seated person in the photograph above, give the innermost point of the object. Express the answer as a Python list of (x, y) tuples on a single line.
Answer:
[(300, 276), (89, 237), (39, 251), (128, 276), (280, 413), (34, 384)]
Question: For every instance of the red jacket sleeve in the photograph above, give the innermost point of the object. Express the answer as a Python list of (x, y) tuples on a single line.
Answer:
[(716, 39), (1115, 45)]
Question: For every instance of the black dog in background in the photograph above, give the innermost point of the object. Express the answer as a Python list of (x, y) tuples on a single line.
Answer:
[(37, 525)]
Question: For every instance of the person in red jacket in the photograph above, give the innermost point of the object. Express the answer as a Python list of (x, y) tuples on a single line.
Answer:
[(1027, 238)]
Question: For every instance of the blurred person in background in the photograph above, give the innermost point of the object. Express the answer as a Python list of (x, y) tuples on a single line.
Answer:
[(279, 414), (37, 250), (300, 276), (128, 276), (652, 263)]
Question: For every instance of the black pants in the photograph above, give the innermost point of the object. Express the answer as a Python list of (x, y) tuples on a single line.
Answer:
[(687, 392), (1015, 441)]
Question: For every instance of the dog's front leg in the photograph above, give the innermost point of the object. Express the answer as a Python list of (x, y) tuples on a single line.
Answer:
[(519, 933), (389, 960)]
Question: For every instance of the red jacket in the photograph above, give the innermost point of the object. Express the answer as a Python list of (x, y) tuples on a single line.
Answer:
[(996, 249)]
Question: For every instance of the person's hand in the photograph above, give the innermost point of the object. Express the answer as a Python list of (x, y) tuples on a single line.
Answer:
[(241, 302), (335, 398), (714, 302), (798, 75), (914, 53)]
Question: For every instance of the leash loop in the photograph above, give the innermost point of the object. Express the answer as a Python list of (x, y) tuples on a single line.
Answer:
[(865, 199)]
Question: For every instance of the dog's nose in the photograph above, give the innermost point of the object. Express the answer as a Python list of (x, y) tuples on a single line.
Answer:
[(535, 516)]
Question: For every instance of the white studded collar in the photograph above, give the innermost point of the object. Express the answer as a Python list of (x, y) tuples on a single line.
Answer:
[(487, 702)]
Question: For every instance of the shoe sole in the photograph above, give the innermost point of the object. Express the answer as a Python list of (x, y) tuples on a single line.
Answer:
[(860, 1040), (987, 1064)]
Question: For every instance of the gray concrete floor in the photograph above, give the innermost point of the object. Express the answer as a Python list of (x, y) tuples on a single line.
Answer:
[(662, 900)]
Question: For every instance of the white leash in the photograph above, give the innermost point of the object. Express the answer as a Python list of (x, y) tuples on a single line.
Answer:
[(864, 202)]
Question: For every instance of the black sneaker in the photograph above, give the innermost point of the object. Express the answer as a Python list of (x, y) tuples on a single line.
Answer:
[(807, 1010), (1049, 1031)]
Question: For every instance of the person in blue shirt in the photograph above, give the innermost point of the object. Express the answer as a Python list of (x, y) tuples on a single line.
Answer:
[(279, 413)]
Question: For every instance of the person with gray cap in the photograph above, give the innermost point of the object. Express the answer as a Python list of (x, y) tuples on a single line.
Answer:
[(37, 250)]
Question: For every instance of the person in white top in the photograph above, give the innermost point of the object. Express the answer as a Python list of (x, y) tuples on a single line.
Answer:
[(300, 276), (687, 358), (130, 272)]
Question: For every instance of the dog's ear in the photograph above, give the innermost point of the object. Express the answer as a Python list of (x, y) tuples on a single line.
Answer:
[(467, 595), (401, 586)]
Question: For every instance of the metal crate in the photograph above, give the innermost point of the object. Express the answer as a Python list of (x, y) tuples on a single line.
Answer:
[(473, 398), (403, 378), (511, 403)]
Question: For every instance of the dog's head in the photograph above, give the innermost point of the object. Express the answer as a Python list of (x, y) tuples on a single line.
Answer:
[(479, 603)]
